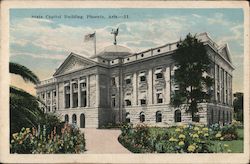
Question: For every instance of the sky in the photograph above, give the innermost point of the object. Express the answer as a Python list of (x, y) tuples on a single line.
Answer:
[(41, 39)]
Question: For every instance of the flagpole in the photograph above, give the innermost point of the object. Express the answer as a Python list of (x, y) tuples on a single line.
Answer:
[(95, 44)]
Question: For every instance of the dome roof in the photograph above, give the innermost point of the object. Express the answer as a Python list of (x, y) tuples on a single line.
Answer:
[(114, 52)]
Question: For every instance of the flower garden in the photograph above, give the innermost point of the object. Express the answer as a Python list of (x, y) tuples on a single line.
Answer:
[(192, 138), (66, 139)]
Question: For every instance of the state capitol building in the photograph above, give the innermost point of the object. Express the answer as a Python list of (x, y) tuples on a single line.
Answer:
[(117, 85)]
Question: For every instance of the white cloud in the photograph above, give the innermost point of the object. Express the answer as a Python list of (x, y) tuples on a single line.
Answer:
[(67, 38), (40, 56), (236, 35), (196, 15)]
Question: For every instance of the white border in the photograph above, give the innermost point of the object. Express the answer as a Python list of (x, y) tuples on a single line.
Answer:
[(115, 158)]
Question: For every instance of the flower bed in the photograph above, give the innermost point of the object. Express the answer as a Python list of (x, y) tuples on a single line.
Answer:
[(68, 140), (180, 139)]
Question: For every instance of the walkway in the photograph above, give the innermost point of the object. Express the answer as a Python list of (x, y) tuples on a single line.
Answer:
[(103, 141)]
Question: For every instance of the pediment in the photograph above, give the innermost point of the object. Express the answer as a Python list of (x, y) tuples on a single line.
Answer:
[(73, 63), (224, 51)]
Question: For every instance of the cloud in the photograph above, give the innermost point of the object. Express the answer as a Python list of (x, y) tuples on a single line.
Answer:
[(196, 15), (40, 56)]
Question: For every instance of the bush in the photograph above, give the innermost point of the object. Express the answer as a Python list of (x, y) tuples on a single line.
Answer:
[(71, 140), (226, 133)]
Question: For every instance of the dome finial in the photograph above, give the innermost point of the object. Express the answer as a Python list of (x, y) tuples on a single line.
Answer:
[(115, 32)]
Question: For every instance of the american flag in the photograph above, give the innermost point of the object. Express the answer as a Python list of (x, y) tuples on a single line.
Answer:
[(89, 37)]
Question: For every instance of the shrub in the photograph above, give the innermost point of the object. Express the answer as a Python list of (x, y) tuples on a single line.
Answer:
[(227, 132), (71, 140)]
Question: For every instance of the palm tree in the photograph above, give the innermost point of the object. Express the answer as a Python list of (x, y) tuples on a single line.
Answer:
[(24, 108)]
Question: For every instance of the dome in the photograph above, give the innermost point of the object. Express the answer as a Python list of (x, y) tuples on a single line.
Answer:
[(114, 52)]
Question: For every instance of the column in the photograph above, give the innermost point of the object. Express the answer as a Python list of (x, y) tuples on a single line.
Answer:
[(150, 87), (167, 81), (45, 101), (215, 82), (70, 94), (51, 100), (79, 93), (97, 91), (88, 90), (135, 95), (57, 96)]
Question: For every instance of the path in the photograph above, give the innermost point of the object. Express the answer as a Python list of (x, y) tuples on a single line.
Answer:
[(103, 141)]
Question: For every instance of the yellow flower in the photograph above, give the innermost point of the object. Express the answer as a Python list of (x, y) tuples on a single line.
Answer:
[(199, 132), (178, 130), (205, 129), (196, 128), (15, 135), (173, 139), (225, 145), (181, 143), (221, 138), (218, 135), (182, 136), (27, 130), (206, 135), (229, 151), (191, 148), (195, 135)]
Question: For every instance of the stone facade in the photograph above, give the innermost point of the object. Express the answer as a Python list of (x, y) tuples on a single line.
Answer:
[(117, 85)]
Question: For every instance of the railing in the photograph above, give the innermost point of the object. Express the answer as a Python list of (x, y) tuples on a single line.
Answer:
[(47, 81)]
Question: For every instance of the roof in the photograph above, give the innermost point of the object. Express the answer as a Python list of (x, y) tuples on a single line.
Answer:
[(113, 52)]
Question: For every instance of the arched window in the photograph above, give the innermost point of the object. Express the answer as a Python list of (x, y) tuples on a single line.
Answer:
[(66, 118), (127, 117), (158, 116), (74, 119), (177, 116), (142, 117), (82, 121), (227, 117)]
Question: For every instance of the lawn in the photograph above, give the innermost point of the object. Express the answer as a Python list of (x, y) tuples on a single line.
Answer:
[(236, 146), (174, 140)]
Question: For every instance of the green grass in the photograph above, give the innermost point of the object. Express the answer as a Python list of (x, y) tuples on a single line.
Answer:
[(236, 146)]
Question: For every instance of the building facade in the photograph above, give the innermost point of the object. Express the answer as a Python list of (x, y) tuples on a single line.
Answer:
[(117, 85)]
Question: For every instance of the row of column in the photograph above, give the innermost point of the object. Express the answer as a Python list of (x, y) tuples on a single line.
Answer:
[(71, 91), (223, 86)]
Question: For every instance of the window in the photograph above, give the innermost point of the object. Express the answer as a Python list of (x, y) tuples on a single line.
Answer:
[(113, 81), (158, 73), (66, 118), (127, 117), (67, 96), (177, 116), (143, 102), (142, 117), (142, 55), (158, 116), (83, 85), (74, 119), (48, 108), (142, 76), (159, 98), (113, 102), (75, 95), (43, 95), (128, 102), (48, 95), (128, 79), (54, 93), (159, 50), (83, 98)]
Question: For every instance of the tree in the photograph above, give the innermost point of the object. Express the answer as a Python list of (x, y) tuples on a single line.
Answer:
[(24, 108), (238, 106), (191, 75)]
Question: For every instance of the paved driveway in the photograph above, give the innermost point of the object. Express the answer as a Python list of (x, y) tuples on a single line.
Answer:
[(103, 141)]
